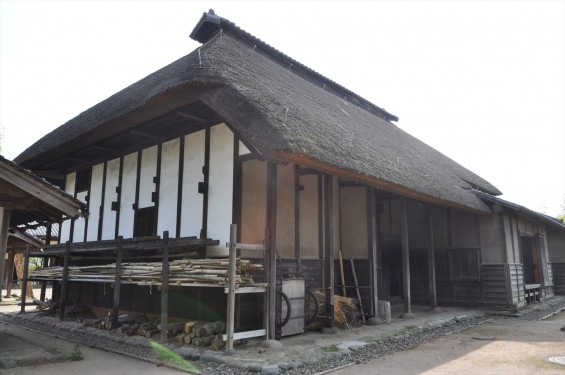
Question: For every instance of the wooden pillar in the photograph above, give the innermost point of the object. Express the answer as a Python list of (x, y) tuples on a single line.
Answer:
[(4, 225), (431, 260), (43, 290), (329, 250), (165, 288), (24, 280), (64, 281), (405, 259), (230, 322), (373, 248), (117, 283), (271, 243), (10, 274)]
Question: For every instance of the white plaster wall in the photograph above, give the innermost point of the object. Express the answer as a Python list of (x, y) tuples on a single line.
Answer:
[(242, 149), (354, 222), (508, 233), (110, 195), (95, 201), (220, 189), (148, 171), (129, 176), (308, 198), (285, 210), (254, 202), (78, 234), (336, 216), (65, 234), (191, 211), (168, 190)]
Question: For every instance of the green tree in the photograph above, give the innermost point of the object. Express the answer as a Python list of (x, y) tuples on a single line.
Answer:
[(561, 216)]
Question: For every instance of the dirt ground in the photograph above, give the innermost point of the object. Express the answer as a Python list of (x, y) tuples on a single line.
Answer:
[(500, 346), (95, 361)]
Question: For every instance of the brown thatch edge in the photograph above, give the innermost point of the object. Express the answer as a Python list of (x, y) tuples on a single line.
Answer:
[(369, 180)]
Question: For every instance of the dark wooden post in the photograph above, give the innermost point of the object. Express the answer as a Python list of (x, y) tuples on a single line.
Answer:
[(117, 283), (329, 250), (405, 260), (64, 281), (43, 290), (165, 288), (10, 275), (271, 242), (231, 287), (431, 260), (4, 226), (24, 280), (373, 248)]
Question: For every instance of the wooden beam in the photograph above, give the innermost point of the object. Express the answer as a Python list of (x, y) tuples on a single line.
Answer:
[(64, 281), (231, 287), (4, 225), (10, 275), (117, 284), (405, 259), (192, 117), (24, 281), (32, 240), (373, 248), (165, 288), (431, 259), (144, 134), (329, 249), (41, 190), (271, 235)]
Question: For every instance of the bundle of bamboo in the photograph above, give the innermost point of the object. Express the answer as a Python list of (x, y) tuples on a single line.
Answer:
[(182, 271)]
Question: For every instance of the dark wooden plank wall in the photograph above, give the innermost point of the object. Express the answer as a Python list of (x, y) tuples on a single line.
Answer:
[(516, 276), (419, 284), (493, 277), (559, 278), (444, 287), (466, 292)]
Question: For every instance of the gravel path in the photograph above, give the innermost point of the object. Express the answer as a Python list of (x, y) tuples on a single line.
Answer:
[(333, 356)]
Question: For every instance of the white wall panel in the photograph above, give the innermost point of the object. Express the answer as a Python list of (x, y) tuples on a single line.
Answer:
[(168, 189), (191, 212), (70, 181), (78, 233), (148, 171), (220, 189), (129, 176), (95, 201), (110, 195), (242, 149)]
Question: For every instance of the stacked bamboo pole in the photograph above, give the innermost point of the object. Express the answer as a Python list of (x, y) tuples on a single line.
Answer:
[(182, 271)]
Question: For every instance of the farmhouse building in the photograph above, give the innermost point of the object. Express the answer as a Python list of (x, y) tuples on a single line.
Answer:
[(238, 132)]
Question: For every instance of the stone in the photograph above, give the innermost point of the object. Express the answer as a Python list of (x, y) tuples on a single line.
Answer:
[(351, 345), (375, 321), (271, 370), (407, 316), (271, 344), (330, 330), (383, 311)]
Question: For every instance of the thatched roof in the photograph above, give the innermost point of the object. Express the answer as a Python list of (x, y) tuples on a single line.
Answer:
[(287, 112)]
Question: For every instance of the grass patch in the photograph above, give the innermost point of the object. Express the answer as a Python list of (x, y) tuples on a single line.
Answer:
[(331, 349), (167, 355), (76, 354)]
